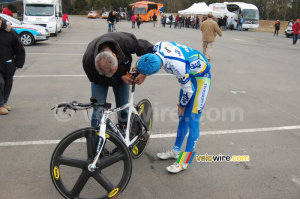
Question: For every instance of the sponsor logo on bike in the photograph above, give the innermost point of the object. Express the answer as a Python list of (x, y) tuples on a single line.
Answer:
[(113, 192), (56, 173), (135, 150), (141, 109)]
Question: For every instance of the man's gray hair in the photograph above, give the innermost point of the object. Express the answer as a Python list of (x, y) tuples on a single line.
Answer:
[(210, 15), (105, 63)]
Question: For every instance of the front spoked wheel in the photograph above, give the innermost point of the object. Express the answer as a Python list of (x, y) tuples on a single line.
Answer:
[(72, 156), (144, 109)]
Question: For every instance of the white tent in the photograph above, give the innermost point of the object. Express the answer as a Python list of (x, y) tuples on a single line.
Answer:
[(199, 9)]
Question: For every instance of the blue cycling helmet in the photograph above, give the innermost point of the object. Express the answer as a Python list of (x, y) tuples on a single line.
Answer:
[(149, 64)]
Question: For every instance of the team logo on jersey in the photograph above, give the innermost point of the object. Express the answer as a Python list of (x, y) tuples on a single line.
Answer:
[(155, 48), (168, 50), (185, 98), (196, 64), (178, 52)]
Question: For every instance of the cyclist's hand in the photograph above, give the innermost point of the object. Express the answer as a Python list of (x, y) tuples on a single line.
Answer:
[(180, 110), (126, 79), (140, 79)]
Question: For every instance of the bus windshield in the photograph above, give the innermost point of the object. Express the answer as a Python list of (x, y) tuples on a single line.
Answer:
[(39, 10), (140, 10), (250, 14)]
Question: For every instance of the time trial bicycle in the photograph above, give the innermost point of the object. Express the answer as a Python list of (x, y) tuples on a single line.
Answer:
[(96, 162)]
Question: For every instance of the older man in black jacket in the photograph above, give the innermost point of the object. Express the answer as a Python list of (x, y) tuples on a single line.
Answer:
[(12, 56), (106, 61)]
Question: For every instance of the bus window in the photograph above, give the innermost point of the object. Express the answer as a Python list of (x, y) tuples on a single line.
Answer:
[(140, 10), (152, 7)]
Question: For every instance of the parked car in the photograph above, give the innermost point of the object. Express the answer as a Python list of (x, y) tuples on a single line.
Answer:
[(29, 33), (105, 15), (93, 15), (289, 32)]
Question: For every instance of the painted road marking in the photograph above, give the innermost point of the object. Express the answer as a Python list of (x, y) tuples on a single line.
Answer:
[(282, 128), (31, 76)]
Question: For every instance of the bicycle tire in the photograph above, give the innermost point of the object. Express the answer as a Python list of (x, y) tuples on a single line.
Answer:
[(145, 111), (60, 158)]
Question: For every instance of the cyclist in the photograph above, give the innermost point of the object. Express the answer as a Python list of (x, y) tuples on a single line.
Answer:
[(193, 72), (106, 61)]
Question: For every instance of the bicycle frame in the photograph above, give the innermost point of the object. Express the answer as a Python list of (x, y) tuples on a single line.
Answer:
[(106, 121)]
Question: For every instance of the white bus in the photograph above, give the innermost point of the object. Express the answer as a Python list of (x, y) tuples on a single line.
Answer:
[(47, 13), (248, 11)]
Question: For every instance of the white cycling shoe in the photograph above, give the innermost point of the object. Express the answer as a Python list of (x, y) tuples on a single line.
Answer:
[(175, 168), (167, 155)]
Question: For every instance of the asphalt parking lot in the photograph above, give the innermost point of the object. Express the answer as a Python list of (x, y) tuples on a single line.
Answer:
[(252, 109)]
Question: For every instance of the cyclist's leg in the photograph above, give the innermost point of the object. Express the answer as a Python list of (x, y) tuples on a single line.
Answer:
[(100, 92), (183, 125), (121, 96), (202, 85)]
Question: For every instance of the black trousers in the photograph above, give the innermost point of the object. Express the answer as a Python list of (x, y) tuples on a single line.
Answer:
[(6, 83)]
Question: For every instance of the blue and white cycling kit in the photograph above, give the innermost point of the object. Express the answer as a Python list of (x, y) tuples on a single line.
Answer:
[(193, 72)]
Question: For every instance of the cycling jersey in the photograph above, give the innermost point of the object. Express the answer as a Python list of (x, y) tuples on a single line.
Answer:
[(183, 62)]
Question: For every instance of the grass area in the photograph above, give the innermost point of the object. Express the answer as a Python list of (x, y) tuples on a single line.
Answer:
[(268, 26)]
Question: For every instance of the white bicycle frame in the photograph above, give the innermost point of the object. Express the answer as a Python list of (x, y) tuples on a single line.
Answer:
[(102, 129)]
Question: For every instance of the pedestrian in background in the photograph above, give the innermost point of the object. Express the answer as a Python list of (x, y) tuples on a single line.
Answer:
[(158, 20), (133, 20), (171, 20), (12, 56), (296, 30), (66, 20), (138, 21), (154, 17), (209, 30), (231, 23), (277, 27)]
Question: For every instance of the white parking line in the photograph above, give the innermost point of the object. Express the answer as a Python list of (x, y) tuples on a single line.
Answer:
[(70, 75), (56, 54), (282, 128)]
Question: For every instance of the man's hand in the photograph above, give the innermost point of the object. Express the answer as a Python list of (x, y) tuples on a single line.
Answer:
[(127, 80), (180, 110), (140, 79)]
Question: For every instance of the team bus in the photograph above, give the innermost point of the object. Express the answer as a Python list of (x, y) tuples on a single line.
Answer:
[(248, 11), (146, 9)]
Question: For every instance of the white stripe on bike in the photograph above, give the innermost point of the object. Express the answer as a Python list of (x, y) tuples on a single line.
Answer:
[(44, 142)]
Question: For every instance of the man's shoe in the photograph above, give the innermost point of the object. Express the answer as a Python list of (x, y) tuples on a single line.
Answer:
[(175, 168), (3, 111), (168, 154), (7, 107)]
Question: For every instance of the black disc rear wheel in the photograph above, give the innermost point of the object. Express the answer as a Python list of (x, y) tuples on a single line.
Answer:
[(69, 166), (144, 109)]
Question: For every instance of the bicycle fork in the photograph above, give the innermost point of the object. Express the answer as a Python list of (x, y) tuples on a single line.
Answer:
[(100, 145)]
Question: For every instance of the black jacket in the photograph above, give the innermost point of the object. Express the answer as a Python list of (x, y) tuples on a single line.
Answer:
[(123, 45), (12, 52)]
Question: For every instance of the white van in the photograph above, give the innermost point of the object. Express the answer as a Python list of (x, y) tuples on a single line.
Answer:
[(47, 13)]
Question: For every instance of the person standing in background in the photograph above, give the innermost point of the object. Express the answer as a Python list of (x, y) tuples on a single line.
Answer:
[(296, 30), (154, 17), (12, 56), (133, 19), (277, 27), (158, 20), (209, 30)]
